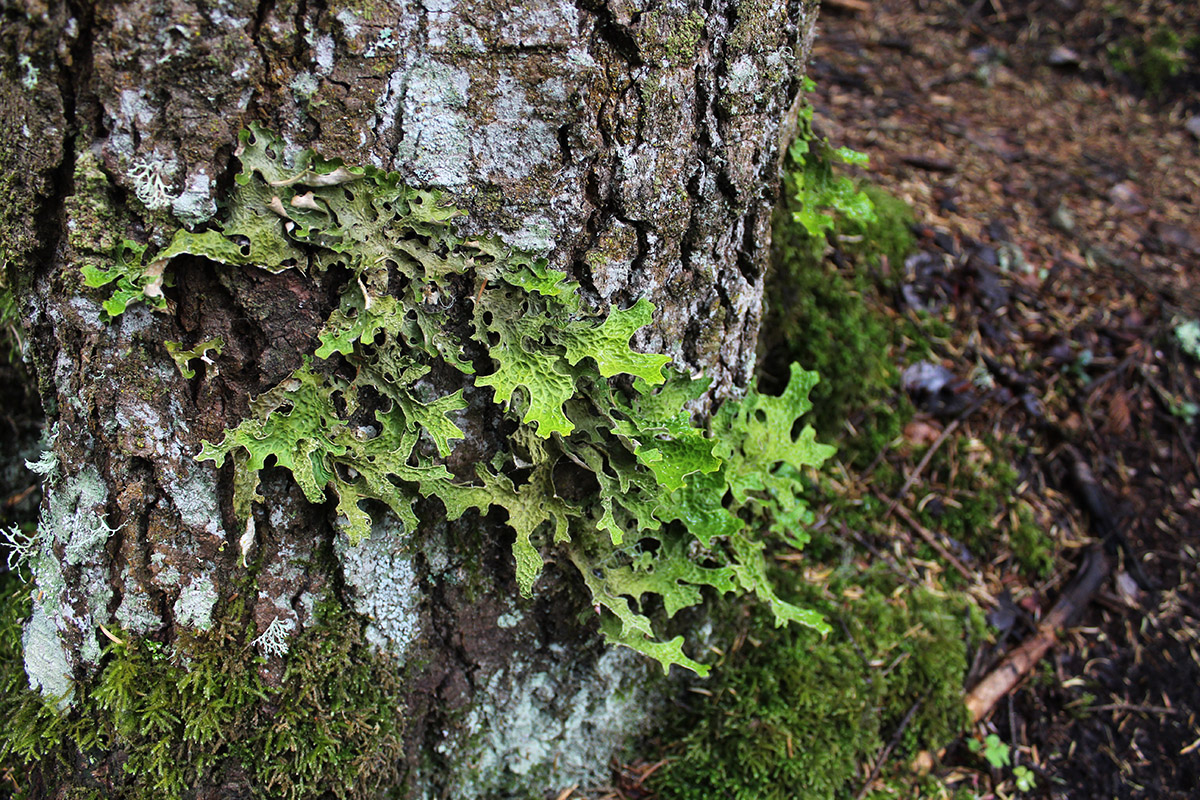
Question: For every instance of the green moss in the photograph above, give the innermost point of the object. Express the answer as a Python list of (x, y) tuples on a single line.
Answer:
[(756, 28), (670, 35), (974, 499), (11, 335), (1033, 549), (172, 717), (825, 291), (824, 317), (1152, 59), (792, 715), (336, 724), (889, 235)]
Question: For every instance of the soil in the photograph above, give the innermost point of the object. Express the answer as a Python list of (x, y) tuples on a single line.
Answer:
[(1056, 199)]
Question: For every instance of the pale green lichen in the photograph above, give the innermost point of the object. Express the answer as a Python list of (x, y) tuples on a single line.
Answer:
[(30, 77), (509, 619), (273, 642), (432, 97), (46, 661), (534, 731), (305, 85), (193, 491), (151, 177), (71, 525), (134, 614), (1187, 333), (46, 464), (195, 204), (385, 587), (194, 606)]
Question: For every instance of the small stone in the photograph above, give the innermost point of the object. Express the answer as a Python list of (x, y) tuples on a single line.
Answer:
[(1192, 126), (1126, 197), (1063, 57), (1063, 219)]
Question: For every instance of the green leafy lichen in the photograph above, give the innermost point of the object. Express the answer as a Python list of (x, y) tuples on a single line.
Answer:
[(183, 358), (134, 280), (648, 522)]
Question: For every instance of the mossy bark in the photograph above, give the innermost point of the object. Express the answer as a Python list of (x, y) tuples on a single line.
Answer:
[(636, 145)]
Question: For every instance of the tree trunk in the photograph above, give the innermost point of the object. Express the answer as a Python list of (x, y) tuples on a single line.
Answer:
[(635, 146)]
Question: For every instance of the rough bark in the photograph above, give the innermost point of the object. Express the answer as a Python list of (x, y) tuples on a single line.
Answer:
[(635, 144)]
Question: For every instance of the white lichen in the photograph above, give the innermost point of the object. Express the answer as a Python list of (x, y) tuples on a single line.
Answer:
[(509, 620), (47, 463), (436, 141), (323, 50), (86, 539), (46, 664), (134, 613), (536, 729), (350, 23), (151, 177), (274, 641), (22, 546), (517, 141), (193, 491), (195, 603), (195, 205), (536, 235), (384, 45), (61, 633), (133, 111), (305, 85)]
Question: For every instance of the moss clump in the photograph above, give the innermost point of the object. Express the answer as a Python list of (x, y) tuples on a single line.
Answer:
[(822, 312), (888, 235), (792, 715), (336, 724), (159, 720), (1033, 549), (670, 36), (1154, 58)]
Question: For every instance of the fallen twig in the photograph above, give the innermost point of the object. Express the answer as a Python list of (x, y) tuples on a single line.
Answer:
[(848, 5), (1131, 708), (931, 539), (887, 751), (929, 163), (1017, 664)]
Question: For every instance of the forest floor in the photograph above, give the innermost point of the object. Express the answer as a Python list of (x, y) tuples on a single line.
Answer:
[(1051, 153)]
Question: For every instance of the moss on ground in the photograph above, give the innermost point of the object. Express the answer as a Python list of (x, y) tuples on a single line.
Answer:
[(792, 715), (157, 719), (1154, 58), (974, 498)]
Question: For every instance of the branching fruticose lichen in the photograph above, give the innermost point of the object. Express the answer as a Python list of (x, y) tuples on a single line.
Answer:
[(668, 505)]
